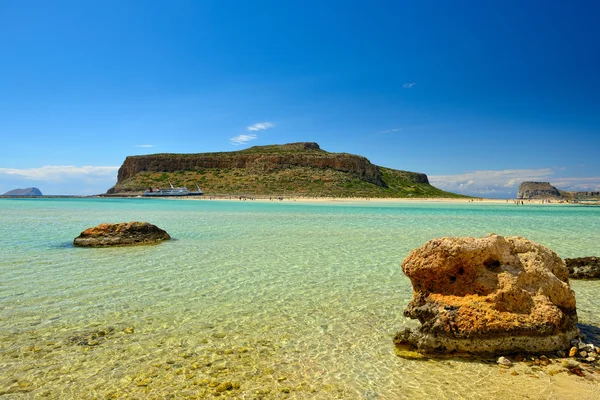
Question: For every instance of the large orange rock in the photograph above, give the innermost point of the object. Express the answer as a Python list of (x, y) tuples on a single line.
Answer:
[(489, 295), (121, 234)]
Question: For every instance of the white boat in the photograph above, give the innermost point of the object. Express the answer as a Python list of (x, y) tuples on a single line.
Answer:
[(173, 191)]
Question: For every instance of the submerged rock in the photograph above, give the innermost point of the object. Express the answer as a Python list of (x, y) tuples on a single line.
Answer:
[(490, 295), (504, 362), (583, 267), (121, 234)]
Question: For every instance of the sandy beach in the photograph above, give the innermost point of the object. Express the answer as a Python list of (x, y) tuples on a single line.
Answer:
[(373, 200)]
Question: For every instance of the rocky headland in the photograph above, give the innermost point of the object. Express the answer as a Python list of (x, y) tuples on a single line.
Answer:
[(32, 191), (121, 234), (545, 191), (299, 169), (537, 190), (488, 296)]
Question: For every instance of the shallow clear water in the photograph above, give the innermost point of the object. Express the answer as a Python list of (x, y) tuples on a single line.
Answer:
[(284, 299)]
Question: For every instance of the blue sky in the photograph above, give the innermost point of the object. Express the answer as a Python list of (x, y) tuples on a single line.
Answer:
[(479, 95)]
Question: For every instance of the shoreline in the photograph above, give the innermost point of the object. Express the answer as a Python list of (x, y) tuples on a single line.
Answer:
[(311, 199), (380, 200)]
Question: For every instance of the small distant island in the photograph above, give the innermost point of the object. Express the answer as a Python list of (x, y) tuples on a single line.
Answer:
[(294, 169), (32, 191), (545, 191)]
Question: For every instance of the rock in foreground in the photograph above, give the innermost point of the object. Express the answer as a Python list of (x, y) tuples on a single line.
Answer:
[(121, 234), (490, 295), (583, 267)]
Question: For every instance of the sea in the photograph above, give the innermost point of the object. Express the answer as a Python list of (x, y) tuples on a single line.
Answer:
[(254, 300)]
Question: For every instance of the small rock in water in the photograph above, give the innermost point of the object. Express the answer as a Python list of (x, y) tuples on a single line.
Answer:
[(583, 354), (577, 371), (590, 359), (142, 381), (561, 353), (129, 330), (553, 370), (224, 386), (573, 352), (570, 363), (504, 362), (407, 351)]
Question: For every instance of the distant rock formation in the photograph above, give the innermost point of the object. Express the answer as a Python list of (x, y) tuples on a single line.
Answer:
[(121, 234), (490, 295), (32, 191), (537, 190), (301, 168), (583, 267), (545, 191), (259, 158), (581, 196)]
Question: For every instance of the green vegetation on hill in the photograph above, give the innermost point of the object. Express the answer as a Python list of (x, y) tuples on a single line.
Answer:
[(298, 169), (290, 148)]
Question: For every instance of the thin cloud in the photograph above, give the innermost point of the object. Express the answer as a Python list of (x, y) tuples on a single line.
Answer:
[(409, 85), (242, 139), (261, 126), (587, 184), (496, 182), (145, 145), (61, 173), (506, 182), (391, 130)]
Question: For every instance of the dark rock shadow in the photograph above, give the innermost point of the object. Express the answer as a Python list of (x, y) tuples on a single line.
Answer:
[(591, 333), (61, 245)]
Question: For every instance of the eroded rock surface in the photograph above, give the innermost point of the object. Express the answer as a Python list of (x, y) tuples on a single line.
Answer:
[(490, 295), (121, 234), (583, 267)]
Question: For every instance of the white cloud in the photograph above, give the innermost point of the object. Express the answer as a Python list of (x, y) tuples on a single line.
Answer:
[(241, 139), (145, 145), (409, 85), (261, 126), (505, 183), (60, 173)]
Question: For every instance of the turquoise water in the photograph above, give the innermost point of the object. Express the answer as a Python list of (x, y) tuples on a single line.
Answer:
[(282, 299)]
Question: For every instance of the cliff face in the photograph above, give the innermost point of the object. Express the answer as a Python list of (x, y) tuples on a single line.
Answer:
[(252, 162), (537, 190), (300, 168)]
